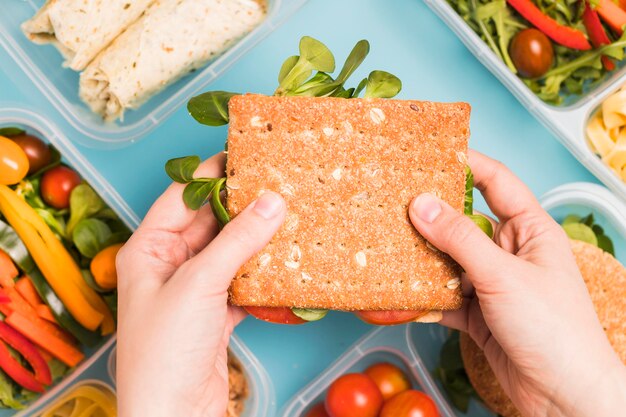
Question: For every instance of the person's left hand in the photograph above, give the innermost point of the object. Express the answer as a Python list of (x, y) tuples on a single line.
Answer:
[(174, 321)]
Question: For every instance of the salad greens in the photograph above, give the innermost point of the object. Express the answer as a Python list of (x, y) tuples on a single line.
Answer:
[(451, 373), (573, 71), (587, 230)]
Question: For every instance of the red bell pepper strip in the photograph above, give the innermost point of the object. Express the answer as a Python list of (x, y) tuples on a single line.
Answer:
[(564, 35), (33, 382), (596, 33), (612, 15)]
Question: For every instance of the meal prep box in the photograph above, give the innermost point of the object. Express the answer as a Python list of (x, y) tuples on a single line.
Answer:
[(99, 364), (416, 347), (567, 122), (43, 65)]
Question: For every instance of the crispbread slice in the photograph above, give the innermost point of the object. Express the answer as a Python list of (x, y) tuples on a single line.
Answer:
[(348, 169)]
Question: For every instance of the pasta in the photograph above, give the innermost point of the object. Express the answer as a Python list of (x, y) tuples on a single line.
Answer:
[(89, 400), (606, 132)]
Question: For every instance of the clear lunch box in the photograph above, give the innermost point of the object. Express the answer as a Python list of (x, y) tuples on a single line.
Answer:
[(415, 347), (99, 363), (43, 65), (567, 123), (574, 198)]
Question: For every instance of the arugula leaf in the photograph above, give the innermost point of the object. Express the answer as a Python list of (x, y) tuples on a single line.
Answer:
[(10, 131), (210, 108), (382, 84), (181, 170)]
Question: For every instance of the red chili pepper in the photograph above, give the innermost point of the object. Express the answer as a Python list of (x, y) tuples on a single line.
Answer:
[(31, 381), (564, 35), (596, 33), (612, 15)]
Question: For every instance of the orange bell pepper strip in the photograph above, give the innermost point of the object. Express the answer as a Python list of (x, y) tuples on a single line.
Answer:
[(56, 346), (563, 35), (8, 271), (54, 261), (612, 14)]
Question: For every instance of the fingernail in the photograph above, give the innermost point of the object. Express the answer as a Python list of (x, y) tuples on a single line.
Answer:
[(426, 207), (268, 205)]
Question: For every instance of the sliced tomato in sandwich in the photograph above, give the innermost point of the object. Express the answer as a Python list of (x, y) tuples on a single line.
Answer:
[(390, 317), (279, 315)]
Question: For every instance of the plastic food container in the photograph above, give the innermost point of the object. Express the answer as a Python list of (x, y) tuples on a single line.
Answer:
[(43, 65), (568, 122), (384, 344), (99, 363), (425, 341)]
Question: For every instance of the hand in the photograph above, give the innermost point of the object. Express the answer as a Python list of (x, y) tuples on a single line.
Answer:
[(525, 302), (174, 321)]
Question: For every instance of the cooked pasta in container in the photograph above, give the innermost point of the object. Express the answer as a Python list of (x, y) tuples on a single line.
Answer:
[(606, 132)]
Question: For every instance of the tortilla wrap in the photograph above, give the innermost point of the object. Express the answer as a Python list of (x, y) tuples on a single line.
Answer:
[(80, 29), (171, 39)]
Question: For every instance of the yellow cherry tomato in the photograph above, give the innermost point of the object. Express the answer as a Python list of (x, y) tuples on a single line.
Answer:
[(103, 267), (13, 162)]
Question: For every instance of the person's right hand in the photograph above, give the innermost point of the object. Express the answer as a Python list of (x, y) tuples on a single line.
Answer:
[(525, 302)]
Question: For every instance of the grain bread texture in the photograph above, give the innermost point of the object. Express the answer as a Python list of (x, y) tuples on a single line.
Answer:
[(348, 169), (605, 278)]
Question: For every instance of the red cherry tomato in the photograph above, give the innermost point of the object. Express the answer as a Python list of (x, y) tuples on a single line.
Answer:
[(353, 395), (410, 403), (532, 53), (389, 378), (57, 185), (37, 151), (390, 317), (319, 410), (279, 315)]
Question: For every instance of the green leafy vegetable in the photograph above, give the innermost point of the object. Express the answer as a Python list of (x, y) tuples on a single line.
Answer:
[(10, 131), (382, 84), (451, 373), (210, 108), (587, 230), (309, 314), (483, 223), (91, 236), (468, 207), (219, 211), (84, 203), (8, 393), (56, 223), (181, 169), (287, 67), (314, 56)]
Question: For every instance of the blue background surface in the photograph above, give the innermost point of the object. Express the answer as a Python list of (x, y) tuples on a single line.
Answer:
[(407, 40)]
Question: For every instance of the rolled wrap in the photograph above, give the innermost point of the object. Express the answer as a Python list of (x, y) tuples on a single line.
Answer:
[(172, 38), (80, 29)]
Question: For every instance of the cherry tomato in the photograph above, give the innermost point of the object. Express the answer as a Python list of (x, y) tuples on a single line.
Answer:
[(353, 395), (57, 185), (37, 151), (280, 315), (389, 378), (532, 53), (411, 403), (13, 162), (319, 410), (390, 317)]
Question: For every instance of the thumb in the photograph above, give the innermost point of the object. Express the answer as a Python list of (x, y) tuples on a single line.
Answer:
[(457, 235), (240, 239)]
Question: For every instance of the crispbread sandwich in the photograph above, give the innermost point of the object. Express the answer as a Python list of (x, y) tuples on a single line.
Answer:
[(348, 170), (605, 278)]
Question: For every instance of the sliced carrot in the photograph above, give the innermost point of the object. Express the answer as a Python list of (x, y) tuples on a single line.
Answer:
[(8, 271), (20, 305), (45, 313), (27, 290), (612, 15), (59, 348)]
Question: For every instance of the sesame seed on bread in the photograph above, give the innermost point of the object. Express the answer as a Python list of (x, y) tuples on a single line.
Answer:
[(348, 170)]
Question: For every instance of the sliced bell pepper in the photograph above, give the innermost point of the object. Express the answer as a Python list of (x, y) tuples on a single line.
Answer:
[(33, 382), (596, 33), (612, 14), (564, 35), (55, 262), (8, 271), (59, 348), (26, 289)]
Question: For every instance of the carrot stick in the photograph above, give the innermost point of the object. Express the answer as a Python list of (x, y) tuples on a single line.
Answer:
[(8, 271), (27, 290), (44, 354), (612, 15), (59, 348), (45, 313)]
